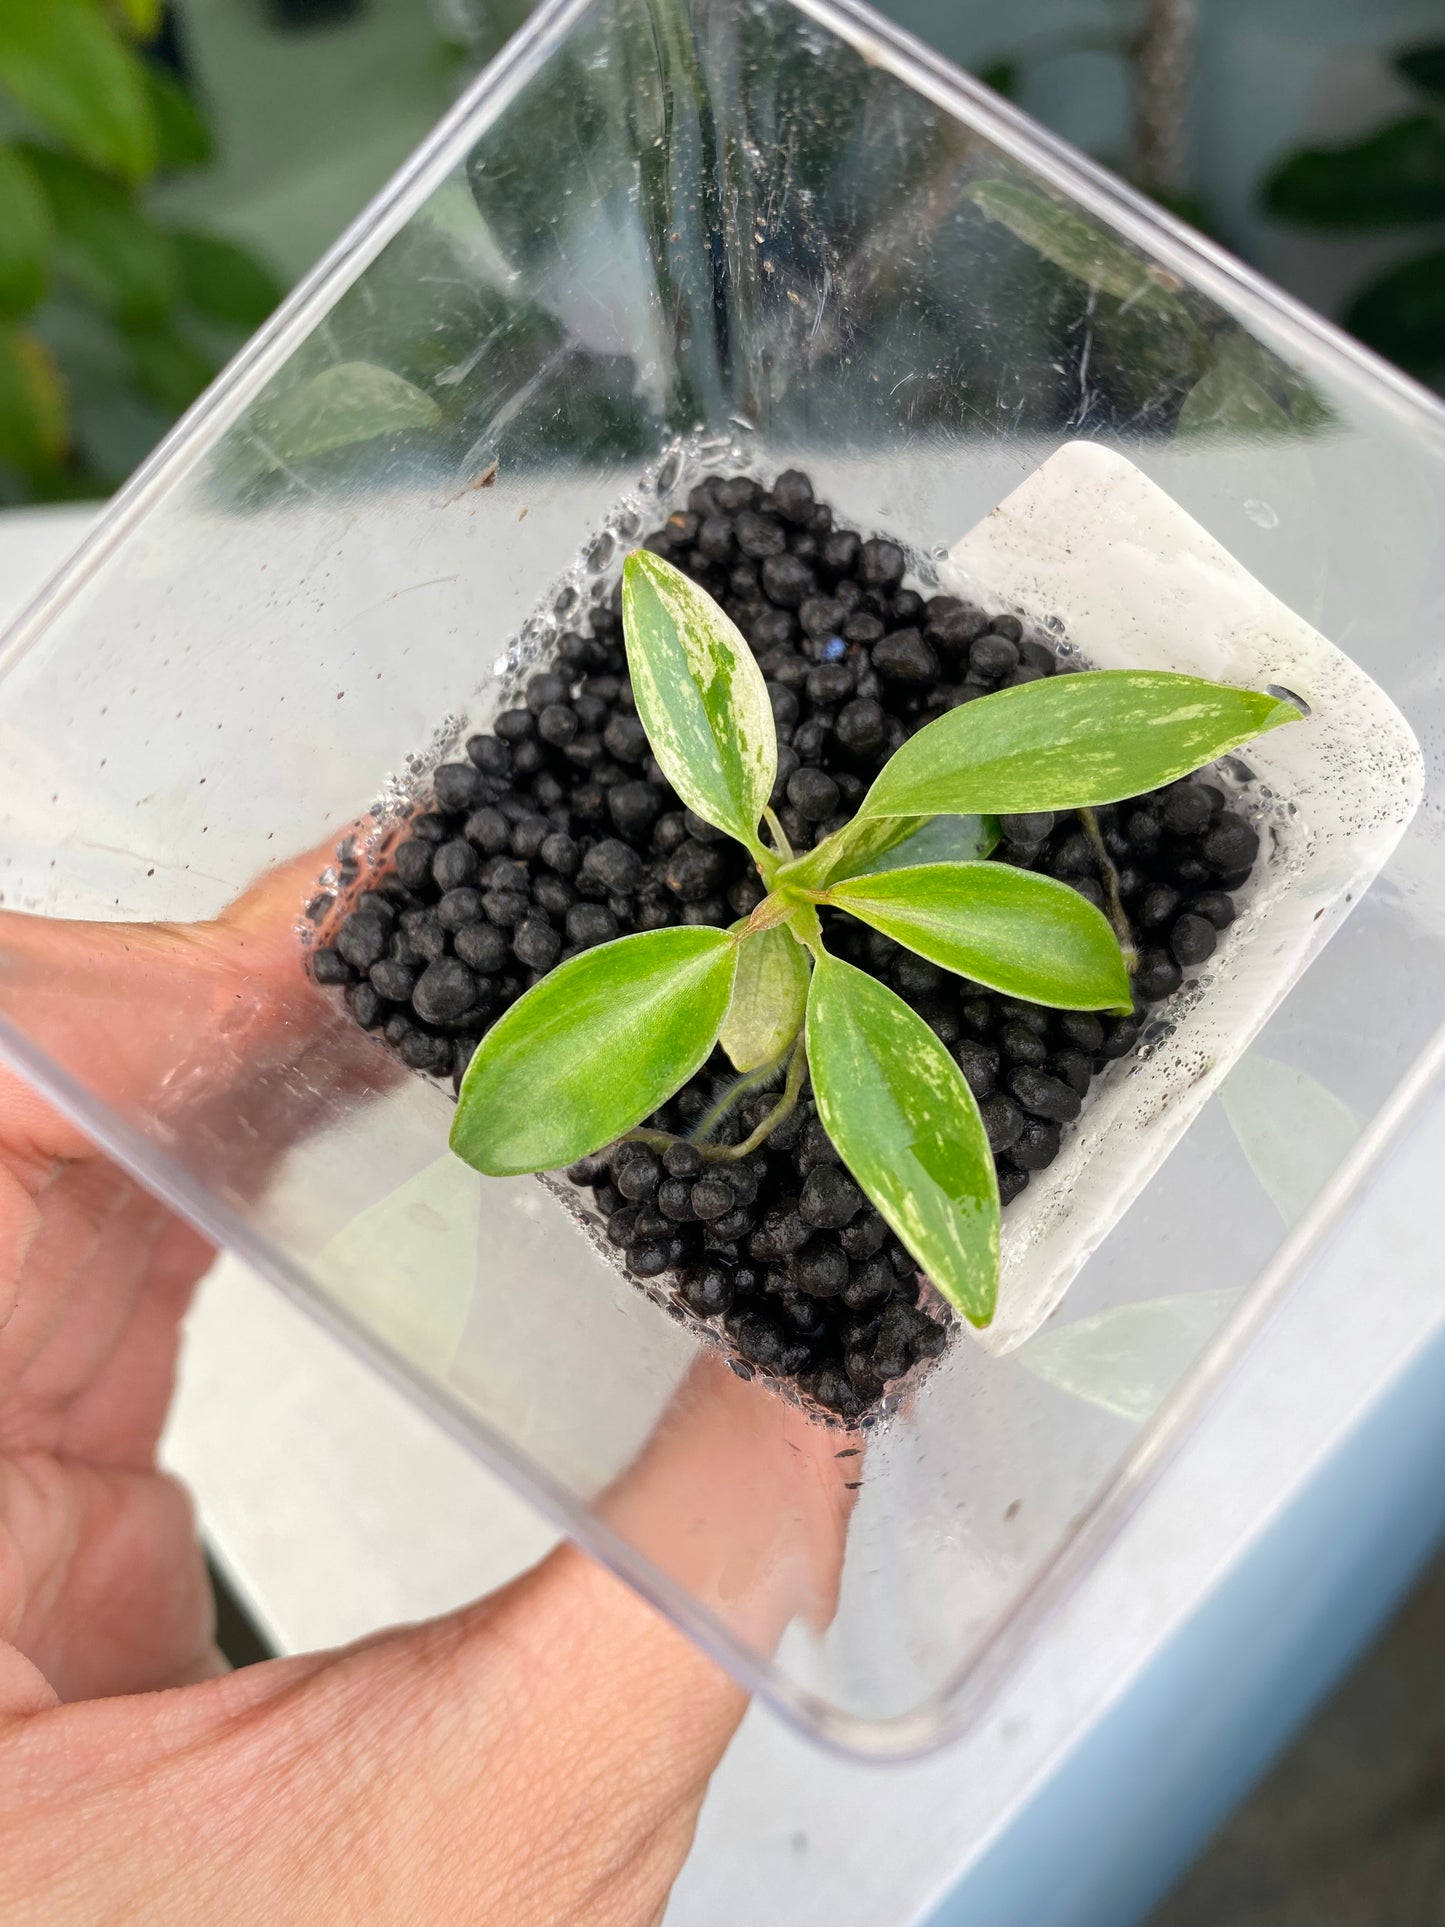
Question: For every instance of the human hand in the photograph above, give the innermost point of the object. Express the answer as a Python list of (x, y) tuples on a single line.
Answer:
[(539, 1757)]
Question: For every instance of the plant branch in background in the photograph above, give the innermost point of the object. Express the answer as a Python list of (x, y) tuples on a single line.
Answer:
[(102, 303), (596, 1047), (1163, 68)]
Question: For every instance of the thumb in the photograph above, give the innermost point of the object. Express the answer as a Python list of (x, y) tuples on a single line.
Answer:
[(537, 1759)]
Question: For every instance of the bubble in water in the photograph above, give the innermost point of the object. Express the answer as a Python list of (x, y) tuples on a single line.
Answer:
[(1261, 514)]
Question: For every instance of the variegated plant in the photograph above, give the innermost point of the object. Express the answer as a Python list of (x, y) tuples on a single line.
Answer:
[(606, 1038)]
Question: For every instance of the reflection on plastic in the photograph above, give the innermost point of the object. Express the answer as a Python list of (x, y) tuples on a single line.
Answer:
[(1129, 1359), (1294, 1132)]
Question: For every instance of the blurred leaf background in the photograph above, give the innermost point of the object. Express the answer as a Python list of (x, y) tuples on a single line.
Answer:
[(1392, 180), (168, 167), (113, 317)]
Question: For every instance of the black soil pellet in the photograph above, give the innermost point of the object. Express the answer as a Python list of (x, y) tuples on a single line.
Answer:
[(555, 831), (331, 968)]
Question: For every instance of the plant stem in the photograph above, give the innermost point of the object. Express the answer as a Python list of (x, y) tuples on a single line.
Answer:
[(773, 910), (1163, 70), (781, 1111), (810, 935), (731, 1153), (735, 1093), (1118, 916), (785, 848)]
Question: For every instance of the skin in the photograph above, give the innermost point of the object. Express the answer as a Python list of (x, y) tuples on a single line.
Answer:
[(538, 1757)]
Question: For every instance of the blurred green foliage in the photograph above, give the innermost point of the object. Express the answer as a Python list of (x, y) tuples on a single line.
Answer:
[(1394, 178), (106, 311), (1167, 357)]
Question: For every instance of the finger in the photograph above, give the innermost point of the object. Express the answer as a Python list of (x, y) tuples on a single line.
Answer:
[(115, 1415), (109, 1593), (442, 1774), (87, 1361), (742, 1500), (61, 1291), (538, 1759), (156, 1019), (103, 1587)]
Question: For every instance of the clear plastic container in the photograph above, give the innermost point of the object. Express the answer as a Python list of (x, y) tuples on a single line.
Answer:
[(653, 236)]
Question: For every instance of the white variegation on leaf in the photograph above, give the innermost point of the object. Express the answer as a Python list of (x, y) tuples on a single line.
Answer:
[(897, 1107), (700, 696), (1069, 743)]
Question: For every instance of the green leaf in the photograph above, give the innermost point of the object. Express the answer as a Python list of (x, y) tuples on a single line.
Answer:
[(1393, 178), (27, 236), (937, 839), (183, 135), (896, 1105), (224, 283), (1238, 354), (593, 1048), (1424, 67), (168, 367), (1080, 247), (700, 695), (770, 996), (869, 844), (64, 63), (1068, 742), (1402, 314), (142, 18), (1028, 936), (352, 402), (34, 413), (107, 249), (1294, 1132), (1002, 75), (1227, 401), (861, 844)]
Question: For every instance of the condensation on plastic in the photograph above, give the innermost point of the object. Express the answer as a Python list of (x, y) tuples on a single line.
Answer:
[(652, 233)]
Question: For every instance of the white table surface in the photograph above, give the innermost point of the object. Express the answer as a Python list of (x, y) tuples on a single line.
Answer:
[(1265, 1555)]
